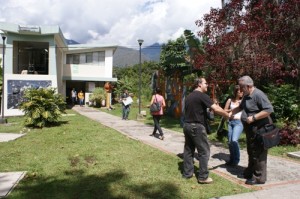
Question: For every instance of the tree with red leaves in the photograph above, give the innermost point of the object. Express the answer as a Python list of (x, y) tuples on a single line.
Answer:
[(259, 38)]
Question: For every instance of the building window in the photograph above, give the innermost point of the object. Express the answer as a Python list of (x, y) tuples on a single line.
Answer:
[(89, 57), (30, 57), (94, 58)]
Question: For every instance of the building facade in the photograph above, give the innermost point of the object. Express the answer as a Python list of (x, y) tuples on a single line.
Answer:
[(39, 56)]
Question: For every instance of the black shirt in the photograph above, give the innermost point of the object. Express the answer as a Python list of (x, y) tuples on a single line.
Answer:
[(196, 105)]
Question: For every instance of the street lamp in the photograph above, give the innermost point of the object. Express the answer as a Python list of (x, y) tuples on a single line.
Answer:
[(3, 120), (140, 73)]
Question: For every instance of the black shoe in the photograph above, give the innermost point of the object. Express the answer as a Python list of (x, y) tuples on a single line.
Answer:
[(243, 176), (253, 182), (187, 177), (229, 163)]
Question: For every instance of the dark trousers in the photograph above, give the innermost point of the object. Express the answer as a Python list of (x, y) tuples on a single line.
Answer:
[(156, 119), (257, 157), (195, 138), (125, 112)]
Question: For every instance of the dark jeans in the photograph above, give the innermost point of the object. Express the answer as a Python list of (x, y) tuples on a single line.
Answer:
[(125, 112), (195, 138), (257, 157), (156, 119)]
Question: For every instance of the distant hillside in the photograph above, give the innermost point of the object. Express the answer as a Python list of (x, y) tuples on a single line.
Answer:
[(127, 56), (153, 51)]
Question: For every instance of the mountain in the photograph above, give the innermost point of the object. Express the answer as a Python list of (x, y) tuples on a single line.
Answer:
[(128, 57), (124, 57), (71, 41), (153, 51)]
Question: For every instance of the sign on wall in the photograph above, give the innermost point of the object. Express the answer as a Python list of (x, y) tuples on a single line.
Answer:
[(16, 88)]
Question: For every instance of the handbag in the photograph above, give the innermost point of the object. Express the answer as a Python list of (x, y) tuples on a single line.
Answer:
[(222, 129), (155, 106), (268, 135)]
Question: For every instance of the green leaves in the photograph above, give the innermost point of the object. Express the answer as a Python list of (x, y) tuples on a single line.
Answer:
[(42, 107), (285, 100)]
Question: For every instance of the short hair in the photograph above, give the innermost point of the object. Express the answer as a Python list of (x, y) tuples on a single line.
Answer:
[(246, 81), (197, 81)]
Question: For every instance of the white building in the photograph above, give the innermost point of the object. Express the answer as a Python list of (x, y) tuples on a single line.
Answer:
[(39, 56)]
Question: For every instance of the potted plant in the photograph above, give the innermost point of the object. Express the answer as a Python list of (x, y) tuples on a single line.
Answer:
[(97, 96)]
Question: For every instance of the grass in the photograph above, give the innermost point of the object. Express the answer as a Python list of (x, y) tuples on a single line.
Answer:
[(81, 158)]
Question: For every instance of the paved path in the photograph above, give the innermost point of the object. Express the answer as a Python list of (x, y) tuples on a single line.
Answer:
[(283, 174)]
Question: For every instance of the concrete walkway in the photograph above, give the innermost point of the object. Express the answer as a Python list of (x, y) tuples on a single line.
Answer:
[(283, 174)]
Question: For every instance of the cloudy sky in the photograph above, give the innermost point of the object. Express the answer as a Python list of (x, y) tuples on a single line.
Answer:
[(118, 22)]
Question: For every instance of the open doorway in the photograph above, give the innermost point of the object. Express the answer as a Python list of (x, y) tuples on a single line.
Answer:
[(78, 85)]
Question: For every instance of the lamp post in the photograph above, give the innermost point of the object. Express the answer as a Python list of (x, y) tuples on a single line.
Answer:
[(140, 41), (3, 120)]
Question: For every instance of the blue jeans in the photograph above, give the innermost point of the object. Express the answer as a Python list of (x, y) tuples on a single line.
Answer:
[(195, 138), (235, 129)]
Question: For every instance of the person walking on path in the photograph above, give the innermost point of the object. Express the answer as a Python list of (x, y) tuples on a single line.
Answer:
[(256, 113), (74, 96), (125, 106), (235, 127), (195, 129), (157, 97), (81, 98)]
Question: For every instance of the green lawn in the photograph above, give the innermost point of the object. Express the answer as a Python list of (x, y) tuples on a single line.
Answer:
[(81, 158)]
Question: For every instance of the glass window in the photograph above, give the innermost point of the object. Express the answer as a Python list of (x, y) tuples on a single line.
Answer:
[(101, 58), (76, 59), (89, 57), (30, 57)]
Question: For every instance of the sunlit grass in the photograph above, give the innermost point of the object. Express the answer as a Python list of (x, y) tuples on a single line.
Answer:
[(81, 158)]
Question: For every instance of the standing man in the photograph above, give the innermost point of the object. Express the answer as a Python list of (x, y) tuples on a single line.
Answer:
[(81, 98), (74, 96), (195, 129), (256, 109)]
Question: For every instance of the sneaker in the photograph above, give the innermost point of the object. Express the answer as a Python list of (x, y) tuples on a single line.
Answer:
[(161, 137), (206, 181)]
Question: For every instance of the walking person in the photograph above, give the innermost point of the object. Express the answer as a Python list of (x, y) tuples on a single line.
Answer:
[(125, 106), (157, 97), (81, 98), (256, 113), (74, 96), (195, 129), (235, 127)]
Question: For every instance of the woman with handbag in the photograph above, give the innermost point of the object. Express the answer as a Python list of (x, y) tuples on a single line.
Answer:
[(235, 127), (158, 98)]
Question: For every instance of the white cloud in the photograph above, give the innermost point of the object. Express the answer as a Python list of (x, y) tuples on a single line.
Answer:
[(110, 21)]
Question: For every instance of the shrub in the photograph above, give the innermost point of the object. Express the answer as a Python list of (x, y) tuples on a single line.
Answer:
[(285, 100), (97, 96), (289, 135), (42, 107)]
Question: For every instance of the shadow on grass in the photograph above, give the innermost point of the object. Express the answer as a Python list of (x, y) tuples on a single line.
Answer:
[(78, 184)]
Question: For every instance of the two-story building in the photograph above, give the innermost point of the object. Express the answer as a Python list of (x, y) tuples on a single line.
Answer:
[(39, 56)]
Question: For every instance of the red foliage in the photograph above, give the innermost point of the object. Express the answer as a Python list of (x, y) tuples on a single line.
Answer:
[(289, 136), (258, 38)]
